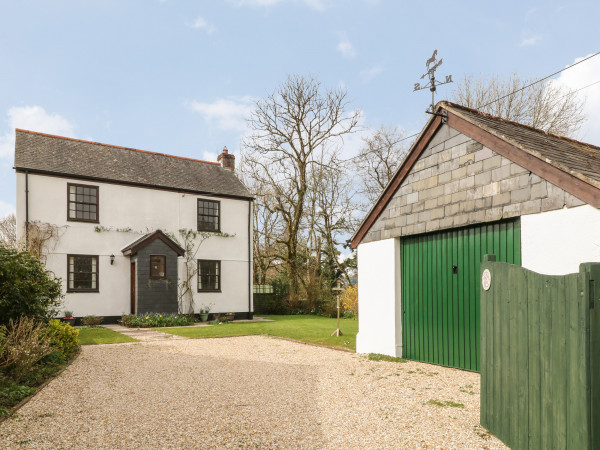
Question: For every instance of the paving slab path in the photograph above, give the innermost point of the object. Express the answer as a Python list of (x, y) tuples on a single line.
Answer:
[(247, 392), (152, 334), (142, 334)]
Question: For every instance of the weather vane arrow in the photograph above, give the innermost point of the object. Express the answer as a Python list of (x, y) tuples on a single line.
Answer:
[(432, 65)]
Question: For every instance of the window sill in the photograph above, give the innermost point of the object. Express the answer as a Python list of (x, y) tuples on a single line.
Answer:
[(70, 291), (69, 219), (200, 291)]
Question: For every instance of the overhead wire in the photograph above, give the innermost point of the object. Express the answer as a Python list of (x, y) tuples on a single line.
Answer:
[(531, 84), (518, 90)]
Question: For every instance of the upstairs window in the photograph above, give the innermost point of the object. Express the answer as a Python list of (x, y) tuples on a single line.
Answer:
[(209, 215), (209, 275), (82, 202), (83, 273), (158, 267)]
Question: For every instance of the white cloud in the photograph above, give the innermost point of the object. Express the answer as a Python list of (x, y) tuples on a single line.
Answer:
[(369, 73), (33, 118), (528, 42), (578, 77), (209, 156), (201, 24), (227, 113), (6, 209), (345, 48)]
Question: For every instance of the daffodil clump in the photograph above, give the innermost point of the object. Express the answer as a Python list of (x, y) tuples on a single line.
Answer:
[(205, 309), (150, 320)]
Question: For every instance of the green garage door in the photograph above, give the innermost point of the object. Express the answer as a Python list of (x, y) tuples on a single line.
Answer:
[(440, 290)]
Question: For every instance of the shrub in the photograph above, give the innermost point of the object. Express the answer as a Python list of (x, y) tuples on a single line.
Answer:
[(349, 315), (26, 288), (349, 299), (22, 344), (92, 321), (151, 320), (12, 393), (63, 337)]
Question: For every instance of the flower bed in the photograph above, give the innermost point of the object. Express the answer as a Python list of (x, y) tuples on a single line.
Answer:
[(151, 320)]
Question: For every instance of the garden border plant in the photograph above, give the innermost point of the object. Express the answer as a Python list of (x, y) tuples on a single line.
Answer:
[(153, 320), (31, 354)]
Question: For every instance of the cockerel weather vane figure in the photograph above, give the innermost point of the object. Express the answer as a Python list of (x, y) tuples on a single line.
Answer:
[(432, 64)]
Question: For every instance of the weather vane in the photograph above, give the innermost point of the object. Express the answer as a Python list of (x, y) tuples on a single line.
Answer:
[(432, 64)]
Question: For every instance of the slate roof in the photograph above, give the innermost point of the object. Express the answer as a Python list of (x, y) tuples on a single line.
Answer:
[(146, 239), (575, 159), (59, 155), (578, 158)]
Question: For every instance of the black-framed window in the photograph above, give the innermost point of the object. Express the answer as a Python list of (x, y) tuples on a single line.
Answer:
[(82, 273), (209, 215), (82, 202), (158, 267), (209, 275)]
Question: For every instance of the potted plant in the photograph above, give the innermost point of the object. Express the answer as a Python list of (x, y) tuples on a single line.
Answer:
[(204, 310), (69, 318)]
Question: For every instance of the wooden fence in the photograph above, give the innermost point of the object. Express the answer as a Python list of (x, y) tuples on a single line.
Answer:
[(540, 356)]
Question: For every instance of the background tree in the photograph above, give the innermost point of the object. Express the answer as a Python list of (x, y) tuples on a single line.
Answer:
[(290, 129), (378, 160), (547, 106), (8, 231)]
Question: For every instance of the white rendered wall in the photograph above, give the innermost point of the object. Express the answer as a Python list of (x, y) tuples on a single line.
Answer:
[(379, 309), (556, 242), (143, 210)]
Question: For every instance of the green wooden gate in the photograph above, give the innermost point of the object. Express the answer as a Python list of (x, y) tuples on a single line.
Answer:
[(540, 357), (440, 290)]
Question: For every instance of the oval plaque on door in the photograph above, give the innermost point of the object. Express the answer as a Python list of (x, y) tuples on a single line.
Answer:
[(486, 279)]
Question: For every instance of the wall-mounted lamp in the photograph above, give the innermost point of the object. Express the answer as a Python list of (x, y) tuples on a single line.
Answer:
[(112, 259)]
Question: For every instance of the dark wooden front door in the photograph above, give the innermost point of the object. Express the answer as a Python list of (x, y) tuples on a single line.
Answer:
[(132, 288)]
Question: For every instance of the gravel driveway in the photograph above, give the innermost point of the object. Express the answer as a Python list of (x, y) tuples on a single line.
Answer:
[(250, 391)]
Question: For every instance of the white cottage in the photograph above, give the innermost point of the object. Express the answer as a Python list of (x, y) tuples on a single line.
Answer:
[(471, 184), (118, 219)]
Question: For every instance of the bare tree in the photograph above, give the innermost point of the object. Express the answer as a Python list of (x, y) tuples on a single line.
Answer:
[(267, 251), (8, 231), (378, 160), (547, 106), (335, 206), (290, 129)]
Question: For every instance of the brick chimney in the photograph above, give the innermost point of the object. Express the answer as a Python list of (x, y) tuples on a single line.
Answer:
[(227, 161)]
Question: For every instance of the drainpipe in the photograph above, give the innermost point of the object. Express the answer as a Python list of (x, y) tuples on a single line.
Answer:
[(249, 259), (27, 209)]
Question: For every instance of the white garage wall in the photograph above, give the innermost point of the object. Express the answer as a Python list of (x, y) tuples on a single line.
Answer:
[(556, 242), (379, 311)]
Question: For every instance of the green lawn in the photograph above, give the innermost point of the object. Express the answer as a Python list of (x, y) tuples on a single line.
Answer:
[(313, 329), (99, 335)]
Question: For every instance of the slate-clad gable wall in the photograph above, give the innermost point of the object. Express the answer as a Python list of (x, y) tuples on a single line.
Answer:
[(457, 182), (156, 295)]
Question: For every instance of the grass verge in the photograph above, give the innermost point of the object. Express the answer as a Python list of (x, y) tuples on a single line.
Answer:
[(93, 335), (306, 328), (444, 403)]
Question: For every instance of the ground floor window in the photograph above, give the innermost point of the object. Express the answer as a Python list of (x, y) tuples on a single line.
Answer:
[(83, 273), (158, 265), (209, 275)]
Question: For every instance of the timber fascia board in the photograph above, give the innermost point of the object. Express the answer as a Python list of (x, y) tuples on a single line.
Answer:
[(413, 155)]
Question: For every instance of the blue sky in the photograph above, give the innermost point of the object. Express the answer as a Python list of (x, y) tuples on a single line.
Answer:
[(179, 76)]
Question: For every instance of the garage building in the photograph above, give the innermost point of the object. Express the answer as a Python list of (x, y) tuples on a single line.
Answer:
[(471, 184)]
